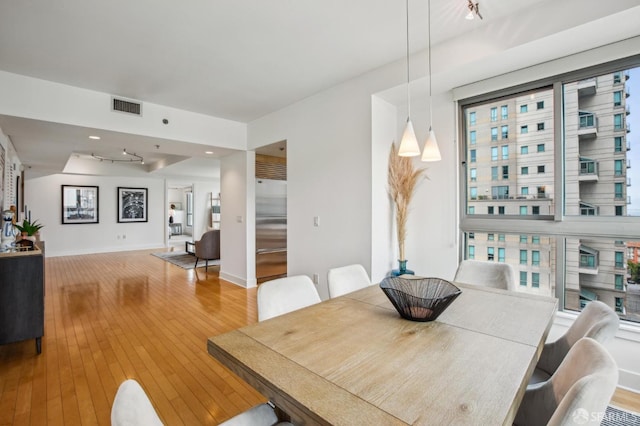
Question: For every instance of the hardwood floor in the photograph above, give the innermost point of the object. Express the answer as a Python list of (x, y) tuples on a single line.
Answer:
[(109, 317)]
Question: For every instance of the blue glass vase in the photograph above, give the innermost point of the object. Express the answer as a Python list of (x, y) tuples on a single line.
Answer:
[(402, 269)]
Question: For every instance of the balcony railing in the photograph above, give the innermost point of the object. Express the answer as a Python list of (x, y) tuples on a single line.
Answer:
[(587, 125), (588, 170)]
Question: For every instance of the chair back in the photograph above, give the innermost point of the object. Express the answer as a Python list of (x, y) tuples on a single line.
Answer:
[(131, 406), (577, 393), (347, 279), (208, 246), (487, 274), (283, 295)]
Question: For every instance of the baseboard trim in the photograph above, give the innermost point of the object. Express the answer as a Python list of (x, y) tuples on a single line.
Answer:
[(233, 279)]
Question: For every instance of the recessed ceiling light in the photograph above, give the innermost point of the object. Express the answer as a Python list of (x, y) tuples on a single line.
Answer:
[(94, 137), (208, 152)]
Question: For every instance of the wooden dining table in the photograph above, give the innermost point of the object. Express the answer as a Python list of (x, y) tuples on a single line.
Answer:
[(353, 360)]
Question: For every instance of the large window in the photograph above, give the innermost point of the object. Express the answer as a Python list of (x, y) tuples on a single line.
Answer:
[(573, 198)]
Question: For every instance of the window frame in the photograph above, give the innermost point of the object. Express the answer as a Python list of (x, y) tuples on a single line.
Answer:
[(557, 225)]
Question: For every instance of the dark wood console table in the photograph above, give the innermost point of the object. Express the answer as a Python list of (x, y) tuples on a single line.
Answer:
[(22, 296)]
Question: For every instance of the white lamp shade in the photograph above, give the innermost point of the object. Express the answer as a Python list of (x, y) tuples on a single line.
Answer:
[(409, 144), (431, 151)]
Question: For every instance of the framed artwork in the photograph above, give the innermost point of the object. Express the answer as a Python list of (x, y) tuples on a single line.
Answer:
[(132, 205), (79, 204)]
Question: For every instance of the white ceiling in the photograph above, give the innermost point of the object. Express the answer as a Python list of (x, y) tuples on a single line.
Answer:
[(234, 59)]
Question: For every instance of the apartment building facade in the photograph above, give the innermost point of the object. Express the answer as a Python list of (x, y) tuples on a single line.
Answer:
[(511, 172)]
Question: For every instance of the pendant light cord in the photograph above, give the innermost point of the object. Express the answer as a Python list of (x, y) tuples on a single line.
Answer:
[(429, 57), (408, 94)]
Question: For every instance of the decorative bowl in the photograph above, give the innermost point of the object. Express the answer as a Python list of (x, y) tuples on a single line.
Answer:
[(419, 299)]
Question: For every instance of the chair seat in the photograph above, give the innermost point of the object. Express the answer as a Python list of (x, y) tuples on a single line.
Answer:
[(539, 376)]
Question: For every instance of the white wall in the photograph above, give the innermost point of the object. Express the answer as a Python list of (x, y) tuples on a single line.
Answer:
[(237, 219)]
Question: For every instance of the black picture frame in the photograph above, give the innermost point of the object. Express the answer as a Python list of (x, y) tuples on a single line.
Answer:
[(80, 204), (132, 204)]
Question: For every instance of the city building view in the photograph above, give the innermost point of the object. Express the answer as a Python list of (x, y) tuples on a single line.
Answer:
[(511, 172)]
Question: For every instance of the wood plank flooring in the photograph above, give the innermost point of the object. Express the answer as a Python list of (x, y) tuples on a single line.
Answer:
[(109, 317)]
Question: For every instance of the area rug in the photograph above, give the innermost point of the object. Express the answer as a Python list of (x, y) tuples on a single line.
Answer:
[(183, 259), (619, 417)]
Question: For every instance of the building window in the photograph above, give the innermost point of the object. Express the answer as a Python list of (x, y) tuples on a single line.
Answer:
[(524, 108), (473, 193), (490, 211), (540, 105), (505, 152), (523, 257), (618, 190), (535, 279), (618, 167), (523, 278), (620, 260), (472, 210), (504, 110), (472, 154), (523, 210), (524, 150), (619, 211), (540, 147), (535, 210), (618, 122), (494, 114), (472, 252), (505, 132), (523, 238), (472, 235), (500, 192), (501, 254), (472, 137), (500, 209), (494, 133), (524, 190), (619, 305), (473, 175), (505, 172), (524, 170), (524, 129), (587, 209), (490, 253), (617, 143), (617, 98), (494, 153), (617, 78), (472, 118), (619, 282), (535, 239), (494, 173), (540, 126), (189, 208), (501, 237), (540, 169), (535, 257)]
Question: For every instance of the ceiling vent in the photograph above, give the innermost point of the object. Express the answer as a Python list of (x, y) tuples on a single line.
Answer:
[(127, 106)]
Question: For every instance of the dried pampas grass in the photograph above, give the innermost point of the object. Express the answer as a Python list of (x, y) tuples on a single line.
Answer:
[(403, 178)]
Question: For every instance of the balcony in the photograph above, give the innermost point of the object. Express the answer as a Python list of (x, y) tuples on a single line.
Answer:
[(589, 260), (588, 170), (587, 125), (587, 87)]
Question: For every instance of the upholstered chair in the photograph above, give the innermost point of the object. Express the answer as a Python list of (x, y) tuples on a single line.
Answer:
[(347, 279), (487, 274), (132, 407), (597, 321), (208, 247), (577, 393), (283, 295)]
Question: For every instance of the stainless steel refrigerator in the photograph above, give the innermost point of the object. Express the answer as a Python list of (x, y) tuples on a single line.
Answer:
[(271, 229)]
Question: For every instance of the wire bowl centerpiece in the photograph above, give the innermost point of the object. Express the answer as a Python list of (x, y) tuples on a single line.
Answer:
[(419, 299)]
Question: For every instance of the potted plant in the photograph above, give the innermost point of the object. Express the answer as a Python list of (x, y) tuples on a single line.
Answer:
[(402, 180), (29, 229)]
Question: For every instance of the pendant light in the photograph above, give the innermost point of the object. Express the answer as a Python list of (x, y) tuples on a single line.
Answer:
[(431, 151), (409, 143)]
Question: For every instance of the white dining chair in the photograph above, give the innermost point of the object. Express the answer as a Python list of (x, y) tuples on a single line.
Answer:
[(577, 393), (597, 321), (132, 407), (283, 295), (347, 279), (487, 274)]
